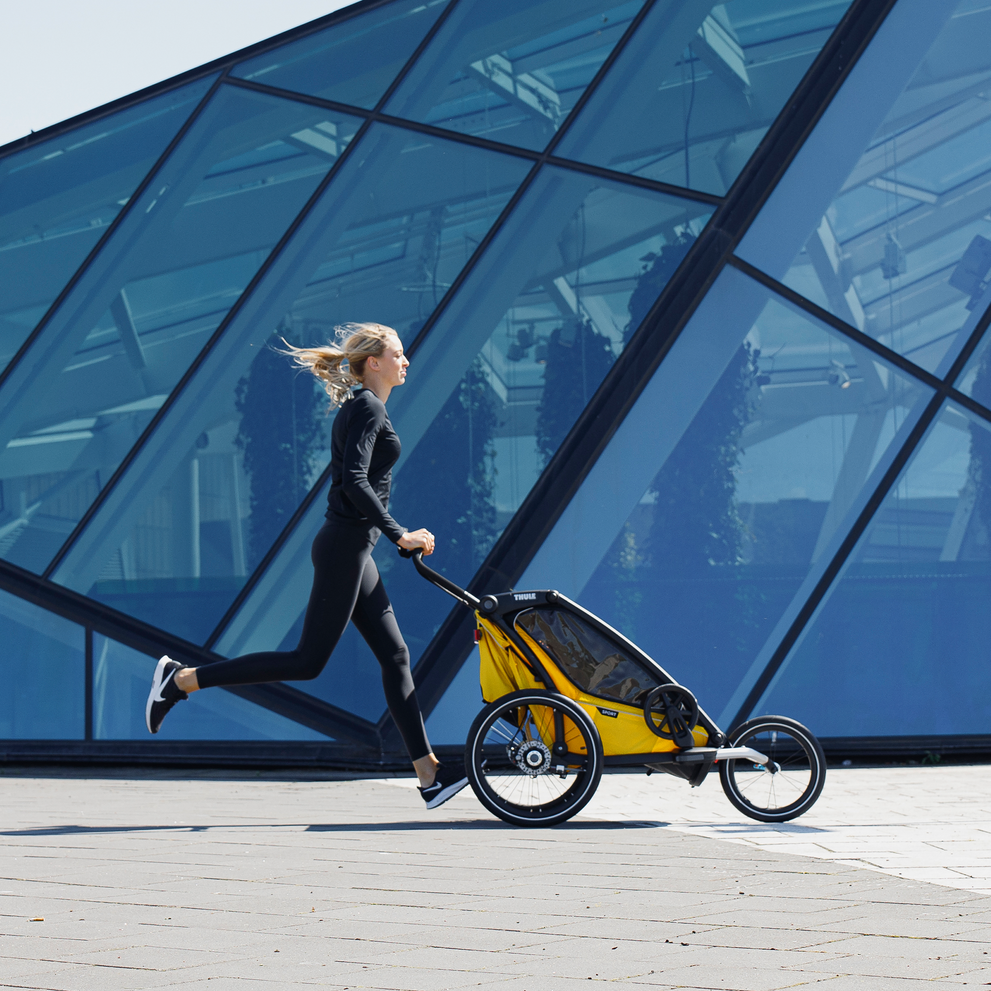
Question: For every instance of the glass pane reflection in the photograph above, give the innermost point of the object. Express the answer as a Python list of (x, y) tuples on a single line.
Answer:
[(696, 89), (43, 667), (975, 379), (454, 713), (511, 71), (107, 360), (729, 486), (58, 198), (350, 62), (883, 217), (248, 438), (492, 392), (120, 687), (908, 621)]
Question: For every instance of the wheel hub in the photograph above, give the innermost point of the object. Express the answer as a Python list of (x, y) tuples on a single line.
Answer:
[(533, 758)]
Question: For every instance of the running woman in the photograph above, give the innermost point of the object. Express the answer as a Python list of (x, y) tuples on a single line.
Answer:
[(346, 582)]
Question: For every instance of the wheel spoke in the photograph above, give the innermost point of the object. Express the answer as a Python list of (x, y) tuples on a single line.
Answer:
[(501, 728)]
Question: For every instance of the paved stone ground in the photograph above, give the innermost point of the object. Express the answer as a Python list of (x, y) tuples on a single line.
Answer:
[(214, 883), (925, 823)]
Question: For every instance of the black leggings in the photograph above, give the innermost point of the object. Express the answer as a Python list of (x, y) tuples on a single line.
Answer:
[(346, 586)]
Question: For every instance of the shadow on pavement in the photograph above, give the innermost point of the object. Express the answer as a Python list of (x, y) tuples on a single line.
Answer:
[(761, 827), (337, 827), (581, 824)]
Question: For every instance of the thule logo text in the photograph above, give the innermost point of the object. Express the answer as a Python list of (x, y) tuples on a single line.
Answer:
[(525, 597)]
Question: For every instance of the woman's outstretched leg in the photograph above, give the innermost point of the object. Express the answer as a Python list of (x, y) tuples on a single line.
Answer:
[(339, 555)]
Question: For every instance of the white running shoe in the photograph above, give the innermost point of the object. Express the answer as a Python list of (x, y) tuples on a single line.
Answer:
[(449, 781), (164, 693)]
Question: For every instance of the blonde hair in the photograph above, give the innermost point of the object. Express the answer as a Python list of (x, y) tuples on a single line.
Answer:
[(340, 365)]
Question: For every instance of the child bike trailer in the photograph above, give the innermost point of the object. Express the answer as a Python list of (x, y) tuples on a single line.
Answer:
[(568, 697)]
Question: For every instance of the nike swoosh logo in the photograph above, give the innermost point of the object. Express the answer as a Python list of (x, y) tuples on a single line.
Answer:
[(161, 688)]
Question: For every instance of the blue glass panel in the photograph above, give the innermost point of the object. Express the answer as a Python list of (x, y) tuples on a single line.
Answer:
[(493, 390), (121, 677), (227, 468), (729, 486), (452, 717), (78, 400), (907, 622), (43, 667), (696, 89), (59, 197), (350, 62), (975, 379), (883, 216), (511, 71)]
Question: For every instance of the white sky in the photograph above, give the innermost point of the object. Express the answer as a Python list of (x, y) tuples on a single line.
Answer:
[(61, 57)]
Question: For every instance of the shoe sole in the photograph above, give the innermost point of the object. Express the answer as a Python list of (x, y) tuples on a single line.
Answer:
[(445, 793), (156, 685)]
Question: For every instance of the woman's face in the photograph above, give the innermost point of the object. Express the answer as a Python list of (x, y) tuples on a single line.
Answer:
[(392, 363)]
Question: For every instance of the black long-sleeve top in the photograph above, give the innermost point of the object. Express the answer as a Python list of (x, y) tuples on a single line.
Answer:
[(364, 447)]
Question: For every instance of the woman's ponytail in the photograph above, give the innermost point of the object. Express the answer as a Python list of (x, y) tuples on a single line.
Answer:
[(341, 365)]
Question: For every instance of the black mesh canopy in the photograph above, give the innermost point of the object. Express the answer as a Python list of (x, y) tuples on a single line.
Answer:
[(592, 661)]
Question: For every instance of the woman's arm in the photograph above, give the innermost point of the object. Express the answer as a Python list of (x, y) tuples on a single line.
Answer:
[(364, 424)]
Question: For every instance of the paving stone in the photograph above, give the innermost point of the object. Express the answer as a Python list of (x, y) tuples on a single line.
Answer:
[(550, 983), (847, 982), (934, 968), (876, 925), (721, 976), (14, 968), (82, 977), (257, 984), (972, 953)]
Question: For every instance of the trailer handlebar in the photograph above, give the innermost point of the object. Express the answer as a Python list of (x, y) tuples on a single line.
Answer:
[(439, 580)]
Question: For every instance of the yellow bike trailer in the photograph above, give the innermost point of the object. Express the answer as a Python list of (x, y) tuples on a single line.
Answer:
[(567, 696)]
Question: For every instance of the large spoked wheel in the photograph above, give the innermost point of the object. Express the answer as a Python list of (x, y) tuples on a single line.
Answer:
[(788, 784), (533, 758)]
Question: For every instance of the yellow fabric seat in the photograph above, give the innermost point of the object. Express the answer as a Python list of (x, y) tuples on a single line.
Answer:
[(621, 726)]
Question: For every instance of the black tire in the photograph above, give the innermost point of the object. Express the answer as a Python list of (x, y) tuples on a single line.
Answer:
[(781, 792), (679, 712), (512, 764)]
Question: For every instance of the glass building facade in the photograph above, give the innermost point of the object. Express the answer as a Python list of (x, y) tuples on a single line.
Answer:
[(695, 296)]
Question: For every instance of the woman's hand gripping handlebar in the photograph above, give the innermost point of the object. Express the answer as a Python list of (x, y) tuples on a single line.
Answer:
[(439, 580), (421, 538)]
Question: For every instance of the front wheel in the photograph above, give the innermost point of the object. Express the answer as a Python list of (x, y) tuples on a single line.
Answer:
[(791, 780), (533, 758)]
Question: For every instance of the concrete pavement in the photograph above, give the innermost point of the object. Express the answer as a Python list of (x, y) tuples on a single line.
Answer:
[(217, 882)]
